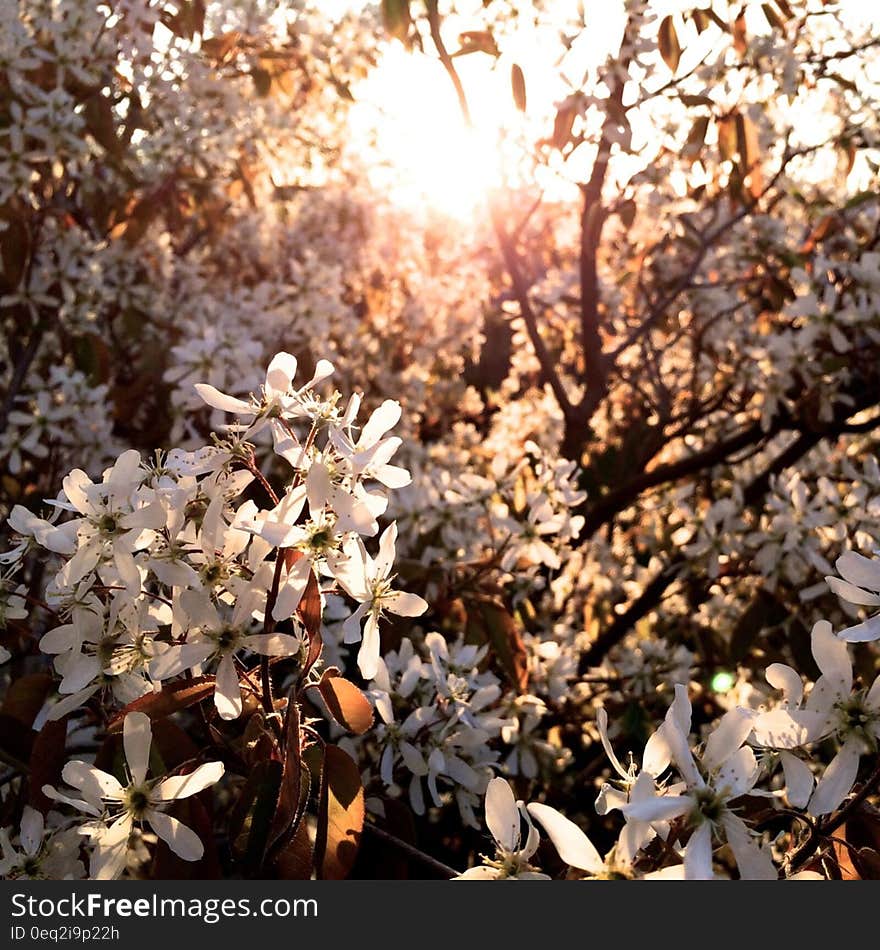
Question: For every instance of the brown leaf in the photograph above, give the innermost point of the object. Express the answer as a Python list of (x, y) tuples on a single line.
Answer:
[(740, 38), (727, 136), (490, 622), (172, 698), (220, 48), (340, 815), (15, 247), (670, 48), (396, 18), (750, 159), (347, 704), (518, 87), (476, 41), (564, 123), (845, 864), (26, 696), (696, 139), (101, 122)]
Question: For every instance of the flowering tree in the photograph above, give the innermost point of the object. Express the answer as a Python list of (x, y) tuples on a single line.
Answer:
[(349, 537)]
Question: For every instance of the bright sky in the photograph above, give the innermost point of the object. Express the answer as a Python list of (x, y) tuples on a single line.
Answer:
[(407, 124)]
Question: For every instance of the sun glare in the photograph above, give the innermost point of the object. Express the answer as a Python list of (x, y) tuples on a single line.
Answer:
[(408, 128), (418, 148)]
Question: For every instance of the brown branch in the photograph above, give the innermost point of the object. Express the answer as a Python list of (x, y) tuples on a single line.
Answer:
[(521, 292), (446, 59)]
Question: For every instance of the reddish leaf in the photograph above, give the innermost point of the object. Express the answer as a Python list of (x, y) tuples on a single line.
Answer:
[(172, 698), (15, 740), (340, 815), (294, 862), (309, 609), (167, 866), (46, 761), (288, 808), (252, 818), (347, 704)]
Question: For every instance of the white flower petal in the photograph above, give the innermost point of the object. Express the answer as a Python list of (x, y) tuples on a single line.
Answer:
[(368, 655), (738, 773), (838, 779), (859, 570), (280, 374), (227, 691), (831, 654), (111, 849), (753, 862), (182, 786), (217, 400), (658, 808), (862, 632), (698, 855), (31, 833), (502, 815), (182, 840), (573, 846), (404, 605), (798, 779), (851, 593), (787, 681), (137, 735), (727, 737), (92, 782), (273, 644), (180, 657)]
